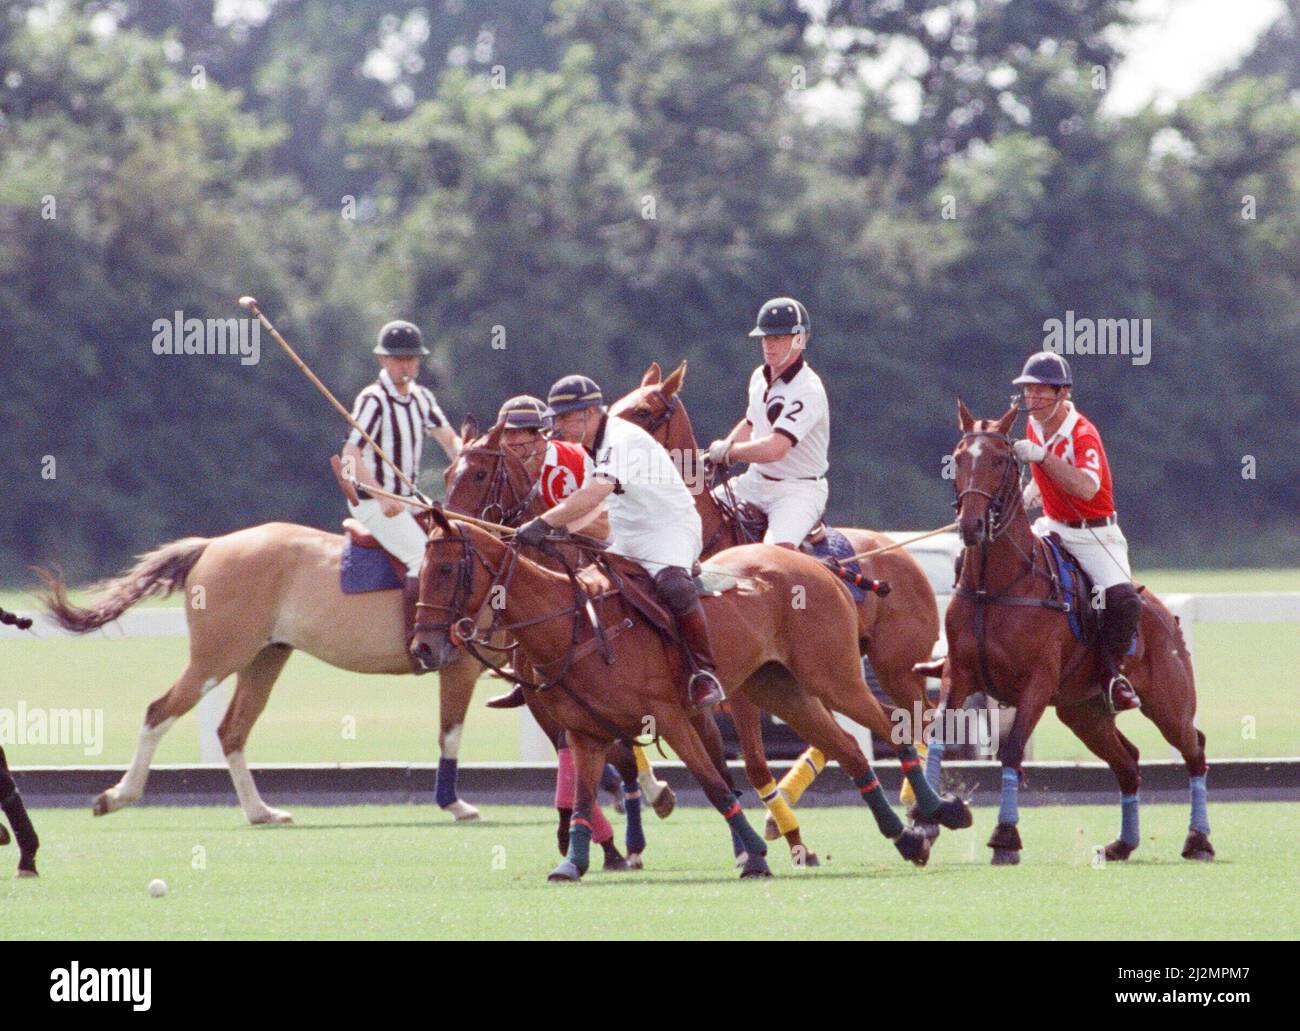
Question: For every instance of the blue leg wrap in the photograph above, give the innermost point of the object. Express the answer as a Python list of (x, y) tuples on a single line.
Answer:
[(1010, 809)]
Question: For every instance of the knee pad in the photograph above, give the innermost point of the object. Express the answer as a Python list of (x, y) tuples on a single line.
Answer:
[(675, 588)]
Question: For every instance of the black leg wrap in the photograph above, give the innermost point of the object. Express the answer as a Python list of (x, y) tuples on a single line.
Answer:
[(24, 832)]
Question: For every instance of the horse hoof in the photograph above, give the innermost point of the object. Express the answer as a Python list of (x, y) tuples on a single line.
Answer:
[(25, 872), (615, 864), (4, 834), (1197, 847), (566, 872), (954, 813), (805, 859), (462, 811), (273, 817), (1005, 837), (105, 804), (913, 846), (755, 866), (928, 827), (1118, 851), (666, 802), (770, 830), (1006, 857), (634, 861)]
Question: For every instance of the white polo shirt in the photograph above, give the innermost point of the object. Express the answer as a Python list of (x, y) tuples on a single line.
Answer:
[(794, 406), (649, 494)]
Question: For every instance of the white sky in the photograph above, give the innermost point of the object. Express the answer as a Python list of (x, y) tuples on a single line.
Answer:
[(1181, 43)]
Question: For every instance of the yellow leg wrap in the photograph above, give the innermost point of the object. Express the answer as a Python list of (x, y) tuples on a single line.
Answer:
[(780, 809), (642, 763), (801, 774), (906, 796)]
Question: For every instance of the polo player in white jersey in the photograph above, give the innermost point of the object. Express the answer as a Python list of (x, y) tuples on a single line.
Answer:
[(786, 432), (651, 514)]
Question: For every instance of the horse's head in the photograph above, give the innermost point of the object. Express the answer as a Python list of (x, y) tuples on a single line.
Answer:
[(493, 476), (454, 581), (656, 408), (987, 476)]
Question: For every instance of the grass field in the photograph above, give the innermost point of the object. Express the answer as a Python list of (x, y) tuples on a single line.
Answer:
[(1243, 671), (407, 872)]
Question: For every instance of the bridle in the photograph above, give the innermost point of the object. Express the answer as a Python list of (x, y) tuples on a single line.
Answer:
[(462, 628), (493, 508), (1006, 501)]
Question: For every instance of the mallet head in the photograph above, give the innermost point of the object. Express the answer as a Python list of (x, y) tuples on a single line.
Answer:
[(249, 303)]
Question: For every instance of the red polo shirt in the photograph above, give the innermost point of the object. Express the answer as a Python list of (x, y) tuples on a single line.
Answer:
[(1077, 442)]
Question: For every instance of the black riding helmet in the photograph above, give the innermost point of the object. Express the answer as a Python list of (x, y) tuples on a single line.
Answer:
[(781, 316)]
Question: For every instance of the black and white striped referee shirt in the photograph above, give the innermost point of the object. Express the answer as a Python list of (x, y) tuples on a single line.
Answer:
[(398, 425)]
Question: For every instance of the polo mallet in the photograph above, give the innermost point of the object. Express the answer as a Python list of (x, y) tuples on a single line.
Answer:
[(250, 305), (351, 486)]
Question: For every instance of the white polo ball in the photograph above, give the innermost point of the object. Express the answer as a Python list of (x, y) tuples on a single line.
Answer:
[(157, 888)]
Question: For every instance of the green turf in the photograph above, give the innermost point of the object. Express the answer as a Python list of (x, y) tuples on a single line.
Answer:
[(1245, 674), (407, 872)]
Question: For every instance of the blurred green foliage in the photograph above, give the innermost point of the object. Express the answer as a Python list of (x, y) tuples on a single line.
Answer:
[(597, 184)]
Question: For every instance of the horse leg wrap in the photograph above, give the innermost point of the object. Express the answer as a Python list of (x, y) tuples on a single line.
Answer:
[(634, 837), (872, 793), (934, 761), (926, 798), (802, 774), (1200, 817), (742, 833), (1128, 824), (579, 853), (566, 781), (1009, 812), (445, 791), (780, 809)]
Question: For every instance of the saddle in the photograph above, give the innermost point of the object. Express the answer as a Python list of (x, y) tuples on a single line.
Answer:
[(1076, 588)]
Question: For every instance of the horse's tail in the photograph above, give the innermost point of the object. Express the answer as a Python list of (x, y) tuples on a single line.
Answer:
[(159, 572)]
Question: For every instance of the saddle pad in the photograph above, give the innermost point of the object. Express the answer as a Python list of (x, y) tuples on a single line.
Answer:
[(835, 545), (362, 570), (713, 581), (1084, 620)]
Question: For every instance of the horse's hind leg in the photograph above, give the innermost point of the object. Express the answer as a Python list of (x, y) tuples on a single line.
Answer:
[(623, 760), (456, 683), (1096, 729), (253, 686), (1170, 703), (812, 721), (196, 681), (706, 729), (588, 762)]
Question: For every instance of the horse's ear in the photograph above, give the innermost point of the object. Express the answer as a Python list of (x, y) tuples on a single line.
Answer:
[(494, 435), (1008, 420), (964, 416), (440, 519), (469, 429), (652, 375), (674, 381)]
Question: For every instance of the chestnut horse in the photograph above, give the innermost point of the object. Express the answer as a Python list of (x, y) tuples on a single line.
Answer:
[(895, 632), (1007, 635), (599, 700)]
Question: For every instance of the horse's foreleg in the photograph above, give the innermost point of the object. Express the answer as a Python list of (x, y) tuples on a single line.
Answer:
[(683, 737), (1096, 729), (253, 686), (706, 729), (192, 685), (781, 820), (588, 761), (1005, 840), (455, 688)]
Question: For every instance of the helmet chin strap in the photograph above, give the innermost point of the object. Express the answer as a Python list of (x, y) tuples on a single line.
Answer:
[(788, 350)]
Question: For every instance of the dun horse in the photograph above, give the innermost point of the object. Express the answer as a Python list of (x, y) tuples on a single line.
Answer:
[(1008, 635), (600, 695)]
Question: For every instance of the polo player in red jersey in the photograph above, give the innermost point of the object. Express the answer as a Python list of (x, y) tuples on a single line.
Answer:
[(1071, 478)]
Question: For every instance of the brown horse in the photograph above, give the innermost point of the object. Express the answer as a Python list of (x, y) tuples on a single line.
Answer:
[(598, 699), (1007, 635), (252, 597), (895, 632)]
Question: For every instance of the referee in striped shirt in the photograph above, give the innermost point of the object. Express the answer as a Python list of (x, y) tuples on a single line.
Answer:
[(397, 412)]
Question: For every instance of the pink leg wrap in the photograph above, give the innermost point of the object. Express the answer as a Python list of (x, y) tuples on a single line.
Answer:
[(566, 781), (601, 831)]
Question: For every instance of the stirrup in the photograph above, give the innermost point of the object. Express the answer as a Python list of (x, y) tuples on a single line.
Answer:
[(1109, 694), (712, 698)]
